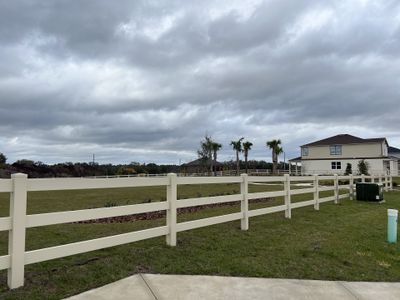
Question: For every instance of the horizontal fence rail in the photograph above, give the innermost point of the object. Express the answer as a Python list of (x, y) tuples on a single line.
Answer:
[(90, 214), (18, 221)]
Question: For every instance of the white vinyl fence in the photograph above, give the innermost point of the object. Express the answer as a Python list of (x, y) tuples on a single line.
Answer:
[(19, 221)]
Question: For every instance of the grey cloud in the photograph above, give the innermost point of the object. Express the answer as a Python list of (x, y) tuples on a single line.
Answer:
[(145, 78)]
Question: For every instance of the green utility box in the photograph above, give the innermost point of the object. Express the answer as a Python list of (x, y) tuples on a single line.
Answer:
[(369, 192)]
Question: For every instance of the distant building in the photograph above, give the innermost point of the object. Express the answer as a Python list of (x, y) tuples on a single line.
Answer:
[(331, 155), (200, 166)]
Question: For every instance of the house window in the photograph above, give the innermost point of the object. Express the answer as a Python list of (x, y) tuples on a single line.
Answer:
[(336, 149), (336, 165), (304, 151)]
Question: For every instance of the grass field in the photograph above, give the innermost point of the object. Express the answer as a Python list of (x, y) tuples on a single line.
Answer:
[(340, 242)]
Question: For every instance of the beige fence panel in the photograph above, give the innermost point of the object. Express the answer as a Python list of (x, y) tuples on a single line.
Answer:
[(19, 185)]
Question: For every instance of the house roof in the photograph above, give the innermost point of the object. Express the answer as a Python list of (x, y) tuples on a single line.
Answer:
[(393, 150), (200, 162), (342, 139), (296, 159)]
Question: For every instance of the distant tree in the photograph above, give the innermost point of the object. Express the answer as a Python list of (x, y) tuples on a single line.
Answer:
[(276, 149), (205, 152), (348, 169), (215, 148), (152, 168), (3, 159), (126, 171), (246, 148), (139, 168), (24, 163), (237, 146), (363, 167)]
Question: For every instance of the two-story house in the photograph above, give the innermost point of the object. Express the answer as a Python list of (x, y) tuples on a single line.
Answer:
[(331, 155)]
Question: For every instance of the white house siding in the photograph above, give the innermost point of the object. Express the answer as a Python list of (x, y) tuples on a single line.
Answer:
[(350, 150), (394, 167), (323, 166)]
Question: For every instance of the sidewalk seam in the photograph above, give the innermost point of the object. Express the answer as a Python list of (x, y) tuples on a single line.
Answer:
[(349, 290), (148, 286)]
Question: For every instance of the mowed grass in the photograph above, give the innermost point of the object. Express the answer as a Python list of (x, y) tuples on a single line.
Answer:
[(340, 242)]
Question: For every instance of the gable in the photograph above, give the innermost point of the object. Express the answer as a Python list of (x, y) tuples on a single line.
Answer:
[(344, 139)]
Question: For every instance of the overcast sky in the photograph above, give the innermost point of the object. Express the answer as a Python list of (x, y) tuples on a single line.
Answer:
[(146, 80)]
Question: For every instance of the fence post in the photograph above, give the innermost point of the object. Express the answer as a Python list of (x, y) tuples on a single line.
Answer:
[(316, 192), (336, 190), (390, 182), (244, 204), (171, 212), (16, 237), (288, 211), (362, 178), (351, 187)]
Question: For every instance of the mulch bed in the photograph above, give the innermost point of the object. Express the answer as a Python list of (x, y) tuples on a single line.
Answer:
[(161, 213)]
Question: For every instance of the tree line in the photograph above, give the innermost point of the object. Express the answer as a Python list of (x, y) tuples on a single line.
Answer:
[(37, 169), (209, 149)]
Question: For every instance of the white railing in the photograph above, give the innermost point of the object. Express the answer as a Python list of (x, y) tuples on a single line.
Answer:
[(375, 172), (18, 221)]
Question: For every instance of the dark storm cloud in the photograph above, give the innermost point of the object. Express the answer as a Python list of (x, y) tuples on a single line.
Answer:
[(145, 80)]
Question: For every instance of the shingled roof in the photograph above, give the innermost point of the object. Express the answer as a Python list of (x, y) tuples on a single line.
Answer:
[(342, 139), (393, 150), (200, 162)]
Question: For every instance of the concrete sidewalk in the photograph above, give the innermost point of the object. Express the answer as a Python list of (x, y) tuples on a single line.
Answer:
[(182, 287)]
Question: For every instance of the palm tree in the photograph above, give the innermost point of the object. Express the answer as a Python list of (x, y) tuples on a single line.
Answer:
[(237, 146), (215, 148), (246, 148), (274, 145)]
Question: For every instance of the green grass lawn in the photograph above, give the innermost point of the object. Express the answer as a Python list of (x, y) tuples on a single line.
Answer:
[(340, 242)]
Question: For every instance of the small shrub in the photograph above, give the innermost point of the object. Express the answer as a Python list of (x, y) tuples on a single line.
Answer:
[(110, 204), (348, 169), (363, 167)]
